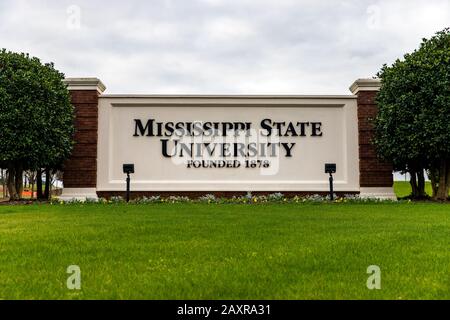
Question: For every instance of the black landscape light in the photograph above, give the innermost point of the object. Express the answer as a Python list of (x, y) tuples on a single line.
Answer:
[(330, 168), (128, 168)]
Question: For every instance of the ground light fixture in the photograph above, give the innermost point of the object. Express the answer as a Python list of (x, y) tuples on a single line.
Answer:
[(330, 168), (128, 168)]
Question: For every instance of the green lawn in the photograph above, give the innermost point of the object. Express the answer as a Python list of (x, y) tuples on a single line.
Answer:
[(403, 188), (228, 251)]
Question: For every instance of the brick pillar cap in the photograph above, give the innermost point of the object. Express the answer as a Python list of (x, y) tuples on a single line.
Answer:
[(85, 84), (365, 85)]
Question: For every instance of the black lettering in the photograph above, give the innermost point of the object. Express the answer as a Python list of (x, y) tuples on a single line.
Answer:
[(290, 131), (288, 148), (164, 144), (266, 125), (303, 126), (279, 125), (316, 129), (142, 130), (169, 129)]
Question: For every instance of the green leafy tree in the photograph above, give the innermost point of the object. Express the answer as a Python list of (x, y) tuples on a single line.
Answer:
[(36, 117), (413, 122)]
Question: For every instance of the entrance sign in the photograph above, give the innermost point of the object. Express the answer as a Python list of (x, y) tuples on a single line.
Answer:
[(227, 143), (223, 144)]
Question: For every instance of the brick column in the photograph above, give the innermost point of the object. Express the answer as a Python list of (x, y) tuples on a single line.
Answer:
[(375, 176), (80, 170)]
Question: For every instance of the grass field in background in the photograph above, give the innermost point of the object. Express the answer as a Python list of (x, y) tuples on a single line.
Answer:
[(228, 251), (403, 188)]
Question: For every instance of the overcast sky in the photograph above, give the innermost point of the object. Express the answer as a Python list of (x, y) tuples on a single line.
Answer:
[(220, 46)]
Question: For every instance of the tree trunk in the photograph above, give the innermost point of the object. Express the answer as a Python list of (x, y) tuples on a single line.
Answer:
[(442, 192), (13, 195), (32, 182), (3, 184), (6, 184), (448, 179), (433, 174), (19, 179), (32, 190), (50, 186), (421, 184), (47, 184), (39, 194), (413, 183)]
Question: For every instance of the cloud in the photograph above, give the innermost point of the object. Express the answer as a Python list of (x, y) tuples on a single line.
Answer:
[(217, 46)]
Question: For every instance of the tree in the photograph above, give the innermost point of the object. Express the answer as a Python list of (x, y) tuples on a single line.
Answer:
[(413, 123), (36, 117)]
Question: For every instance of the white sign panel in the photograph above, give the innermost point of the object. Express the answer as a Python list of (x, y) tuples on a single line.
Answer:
[(230, 143)]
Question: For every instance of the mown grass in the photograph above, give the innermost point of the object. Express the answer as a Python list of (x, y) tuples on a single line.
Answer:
[(229, 251), (403, 188)]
